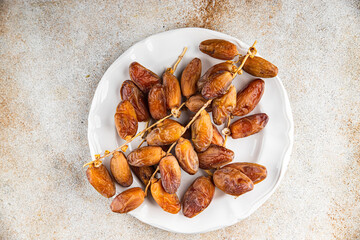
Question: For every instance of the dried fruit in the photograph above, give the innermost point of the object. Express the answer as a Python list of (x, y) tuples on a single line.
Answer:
[(217, 137), (215, 156), (120, 169), (187, 156), (247, 99), (157, 102), (198, 196), (169, 202), (170, 174), (172, 90), (232, 181), (218, 80), (165, 133), (100, 179), (249, 125), (219, 48), (255, 172), (260, 67), (128, 200), (194, 103), (190, 77), (143, 77), (143, 173), (202, 132), (125, 120), (146, 156), (223, 106), (129, 91)]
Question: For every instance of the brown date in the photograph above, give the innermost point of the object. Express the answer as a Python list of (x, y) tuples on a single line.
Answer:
[(217, 137), (125, 120), (218, 82), (170, 174), (219, 48), (221, 67), (172, 90), (169, 202), (223, 106), (143, 173), (195, 102), (128, 200), (260, 67), (157, 102), (198, 196), (190, 77), (146, 156), (232, 181), (247, 99), (120, 169), (249, 125), (187, 156), (215, 156), (202, 132), (100, 179), (165, 133), (143, 77), (129, 91), (255, 172)]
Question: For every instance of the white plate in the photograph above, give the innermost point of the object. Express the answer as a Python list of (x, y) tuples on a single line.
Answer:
[(271, 147)]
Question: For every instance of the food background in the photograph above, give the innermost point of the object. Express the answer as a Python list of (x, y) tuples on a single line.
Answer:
[(53, 54)]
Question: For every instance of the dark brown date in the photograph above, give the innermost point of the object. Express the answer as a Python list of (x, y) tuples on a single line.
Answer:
[(190, 77), (247, 126), (254, 171), (202, 132), (165, 133), (215, 156), (157, 102), (260, 67), (129, 91), (125, 120), (187, 156), (221, 67), (120, 169), (247, 99), (143, 77), (223, 106), (146, 156), (198, 196), (169, 202), (100, 179), (143, 173), (172, 90), (170, 174), (219, 48), (232, 181), (128, 200), (194, 103)]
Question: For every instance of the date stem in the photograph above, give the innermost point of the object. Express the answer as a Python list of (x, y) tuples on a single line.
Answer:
[(250, 53), (173, 69)]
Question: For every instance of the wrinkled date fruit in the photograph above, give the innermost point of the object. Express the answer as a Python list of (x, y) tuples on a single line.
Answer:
[(215, 156), (100, 179), (165, 133), (143, 77), (167, 201), (146, 156), (128, 200), (125, 120), (187, 156), (223, 106), (194, 103), (247, 126), (202, 132), (190, 77), (170, 174), (157, 102), (198, 196), (217, 137), (260, 67), (120, 169), (172, 90), (218, 82), (247, 99), (129, 91), (218, 48), (221, 67), (232, 181), (143, 173), (255, 172)]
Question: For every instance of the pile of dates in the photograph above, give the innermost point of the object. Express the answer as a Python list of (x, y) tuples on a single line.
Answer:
[(147, 96)]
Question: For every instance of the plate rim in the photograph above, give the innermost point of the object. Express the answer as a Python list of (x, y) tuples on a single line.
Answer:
[(290, 132)]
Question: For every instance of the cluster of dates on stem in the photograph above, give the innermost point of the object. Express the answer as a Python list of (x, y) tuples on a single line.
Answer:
[(148, 96)]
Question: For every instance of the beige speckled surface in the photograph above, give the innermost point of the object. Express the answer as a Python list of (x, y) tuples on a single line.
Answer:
[(53, 54)]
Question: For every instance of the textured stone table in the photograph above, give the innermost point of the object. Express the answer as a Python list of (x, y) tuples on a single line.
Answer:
[(53, 54)]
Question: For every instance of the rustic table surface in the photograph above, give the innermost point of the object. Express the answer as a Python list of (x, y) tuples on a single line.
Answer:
[(54, 53)]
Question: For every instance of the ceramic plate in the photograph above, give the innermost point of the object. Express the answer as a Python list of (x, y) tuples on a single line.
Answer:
[(271, 147)]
